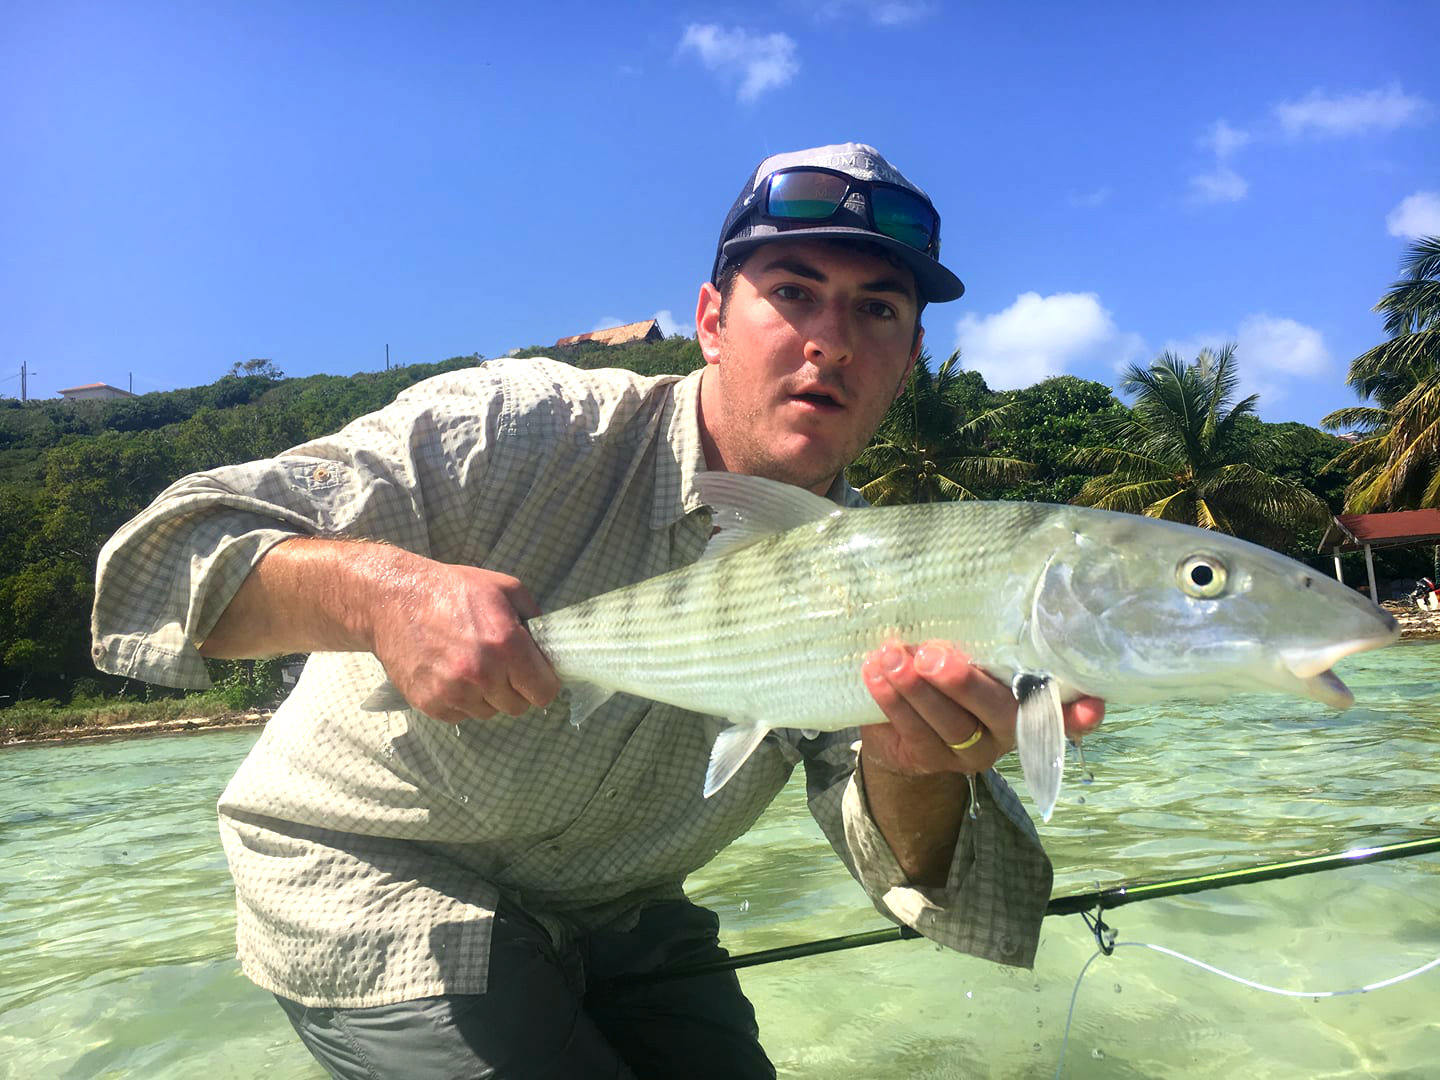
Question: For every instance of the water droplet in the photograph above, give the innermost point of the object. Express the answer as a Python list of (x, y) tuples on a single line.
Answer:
[(744, 905), (1098, 1054), (1080, 800), (1117, 988), (1034, 1046), (464, 798), (969, 993)]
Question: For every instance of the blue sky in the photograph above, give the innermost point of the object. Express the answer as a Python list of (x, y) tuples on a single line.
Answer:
[(188, 186)]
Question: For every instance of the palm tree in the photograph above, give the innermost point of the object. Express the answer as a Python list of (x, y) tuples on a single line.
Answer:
[(1178, 455), (929, 447), (1396, 464)]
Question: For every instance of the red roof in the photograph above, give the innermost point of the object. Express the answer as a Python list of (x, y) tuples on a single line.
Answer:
[(1350, 532)]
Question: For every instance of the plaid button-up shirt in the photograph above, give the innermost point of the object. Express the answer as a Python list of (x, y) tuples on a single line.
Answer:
[(370, 850)]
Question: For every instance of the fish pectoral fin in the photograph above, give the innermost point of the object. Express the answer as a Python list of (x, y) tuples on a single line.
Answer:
[(585, 698), (385, 698), (1040, 732), (733, 748)]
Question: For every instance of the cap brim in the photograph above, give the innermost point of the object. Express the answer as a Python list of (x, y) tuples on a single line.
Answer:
[(937, 285)]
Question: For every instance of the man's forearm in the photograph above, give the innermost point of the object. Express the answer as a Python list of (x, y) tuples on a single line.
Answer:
[(309, 595), (919, 816)]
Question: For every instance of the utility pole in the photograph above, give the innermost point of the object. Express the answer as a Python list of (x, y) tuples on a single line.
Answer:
[(24, 374), (387, 357)]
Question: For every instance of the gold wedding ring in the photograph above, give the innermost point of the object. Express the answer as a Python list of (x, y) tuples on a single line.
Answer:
[(971, 741)]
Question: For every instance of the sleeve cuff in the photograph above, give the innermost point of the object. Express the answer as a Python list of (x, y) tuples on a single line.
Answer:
[(994, 899)]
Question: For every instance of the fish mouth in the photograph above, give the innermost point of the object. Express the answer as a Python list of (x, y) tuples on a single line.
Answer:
[(1326, 687), (1311, 667)]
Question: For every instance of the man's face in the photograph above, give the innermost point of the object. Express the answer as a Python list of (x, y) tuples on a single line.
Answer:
[(816, 343)]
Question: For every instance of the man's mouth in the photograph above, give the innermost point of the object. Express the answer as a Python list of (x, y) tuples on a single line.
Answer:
[(818, 399)]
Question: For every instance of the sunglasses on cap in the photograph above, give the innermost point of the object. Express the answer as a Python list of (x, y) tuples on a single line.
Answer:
[(811, 194)]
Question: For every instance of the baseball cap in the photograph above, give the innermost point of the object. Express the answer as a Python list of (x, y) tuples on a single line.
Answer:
[(844, 190)]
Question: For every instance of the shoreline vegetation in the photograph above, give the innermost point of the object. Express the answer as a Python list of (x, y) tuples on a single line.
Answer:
[(196, 715)]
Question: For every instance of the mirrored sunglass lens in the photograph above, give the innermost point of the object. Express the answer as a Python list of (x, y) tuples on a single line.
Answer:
[(808, 196), (903, 216)]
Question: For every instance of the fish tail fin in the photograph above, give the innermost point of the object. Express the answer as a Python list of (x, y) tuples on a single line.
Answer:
[(732, 749), (1040, 731)]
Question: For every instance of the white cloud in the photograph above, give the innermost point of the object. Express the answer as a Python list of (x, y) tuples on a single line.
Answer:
[(1088, 200), (1417, 215), (759, 62), (1281, 347), (1222, 185), (1274, 356), (670, 325), (1040, 336), (882, 13), (1223, 139), (1351, 114)]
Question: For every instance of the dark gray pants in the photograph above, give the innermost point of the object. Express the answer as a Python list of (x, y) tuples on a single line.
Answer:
[(550, 1014)]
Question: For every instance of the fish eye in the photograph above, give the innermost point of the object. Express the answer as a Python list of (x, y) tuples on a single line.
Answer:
[(1201, 576)]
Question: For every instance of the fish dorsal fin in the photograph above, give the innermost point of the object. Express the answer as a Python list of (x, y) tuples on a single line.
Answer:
[(750, 508)]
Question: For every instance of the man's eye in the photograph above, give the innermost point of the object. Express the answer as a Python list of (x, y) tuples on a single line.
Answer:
[(880, 310), (790, 292)]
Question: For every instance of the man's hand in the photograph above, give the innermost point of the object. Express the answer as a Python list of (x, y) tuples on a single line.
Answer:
[(914, 782), (452, 638), (456, 645), (934, 699)]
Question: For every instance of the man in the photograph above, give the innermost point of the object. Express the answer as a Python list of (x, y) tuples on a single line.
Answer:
[(450, 889)]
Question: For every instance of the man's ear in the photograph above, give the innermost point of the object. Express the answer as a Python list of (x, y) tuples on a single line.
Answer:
[(914, 355), (707, 323)]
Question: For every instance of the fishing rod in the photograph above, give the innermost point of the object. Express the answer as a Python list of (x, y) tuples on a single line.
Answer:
[(1079, 903)]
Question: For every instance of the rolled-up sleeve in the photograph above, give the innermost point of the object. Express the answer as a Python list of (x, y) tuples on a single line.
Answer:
[(994, 897), (400, 475)]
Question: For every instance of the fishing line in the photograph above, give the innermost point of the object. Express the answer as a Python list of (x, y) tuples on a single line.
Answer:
[(1108, 947)]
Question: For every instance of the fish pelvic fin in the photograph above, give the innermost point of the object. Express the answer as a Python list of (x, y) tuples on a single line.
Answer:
[(585, 698), (732, 749), (1040, 732)]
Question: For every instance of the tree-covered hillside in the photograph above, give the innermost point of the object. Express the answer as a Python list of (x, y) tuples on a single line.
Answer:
[(72, 472)]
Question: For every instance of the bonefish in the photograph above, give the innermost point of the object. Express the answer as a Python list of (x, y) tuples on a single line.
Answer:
[(770, 627)]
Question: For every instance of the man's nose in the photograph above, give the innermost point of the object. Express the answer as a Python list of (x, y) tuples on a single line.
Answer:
[(830, 336)]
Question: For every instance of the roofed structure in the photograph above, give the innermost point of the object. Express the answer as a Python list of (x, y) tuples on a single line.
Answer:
[(648, 330), (92, 391), (1365, 532)]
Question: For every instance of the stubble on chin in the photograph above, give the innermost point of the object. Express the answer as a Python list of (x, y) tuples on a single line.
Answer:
[(748, 431)]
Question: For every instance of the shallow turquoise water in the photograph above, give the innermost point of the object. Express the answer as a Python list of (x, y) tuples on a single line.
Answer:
[(115, 918)]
